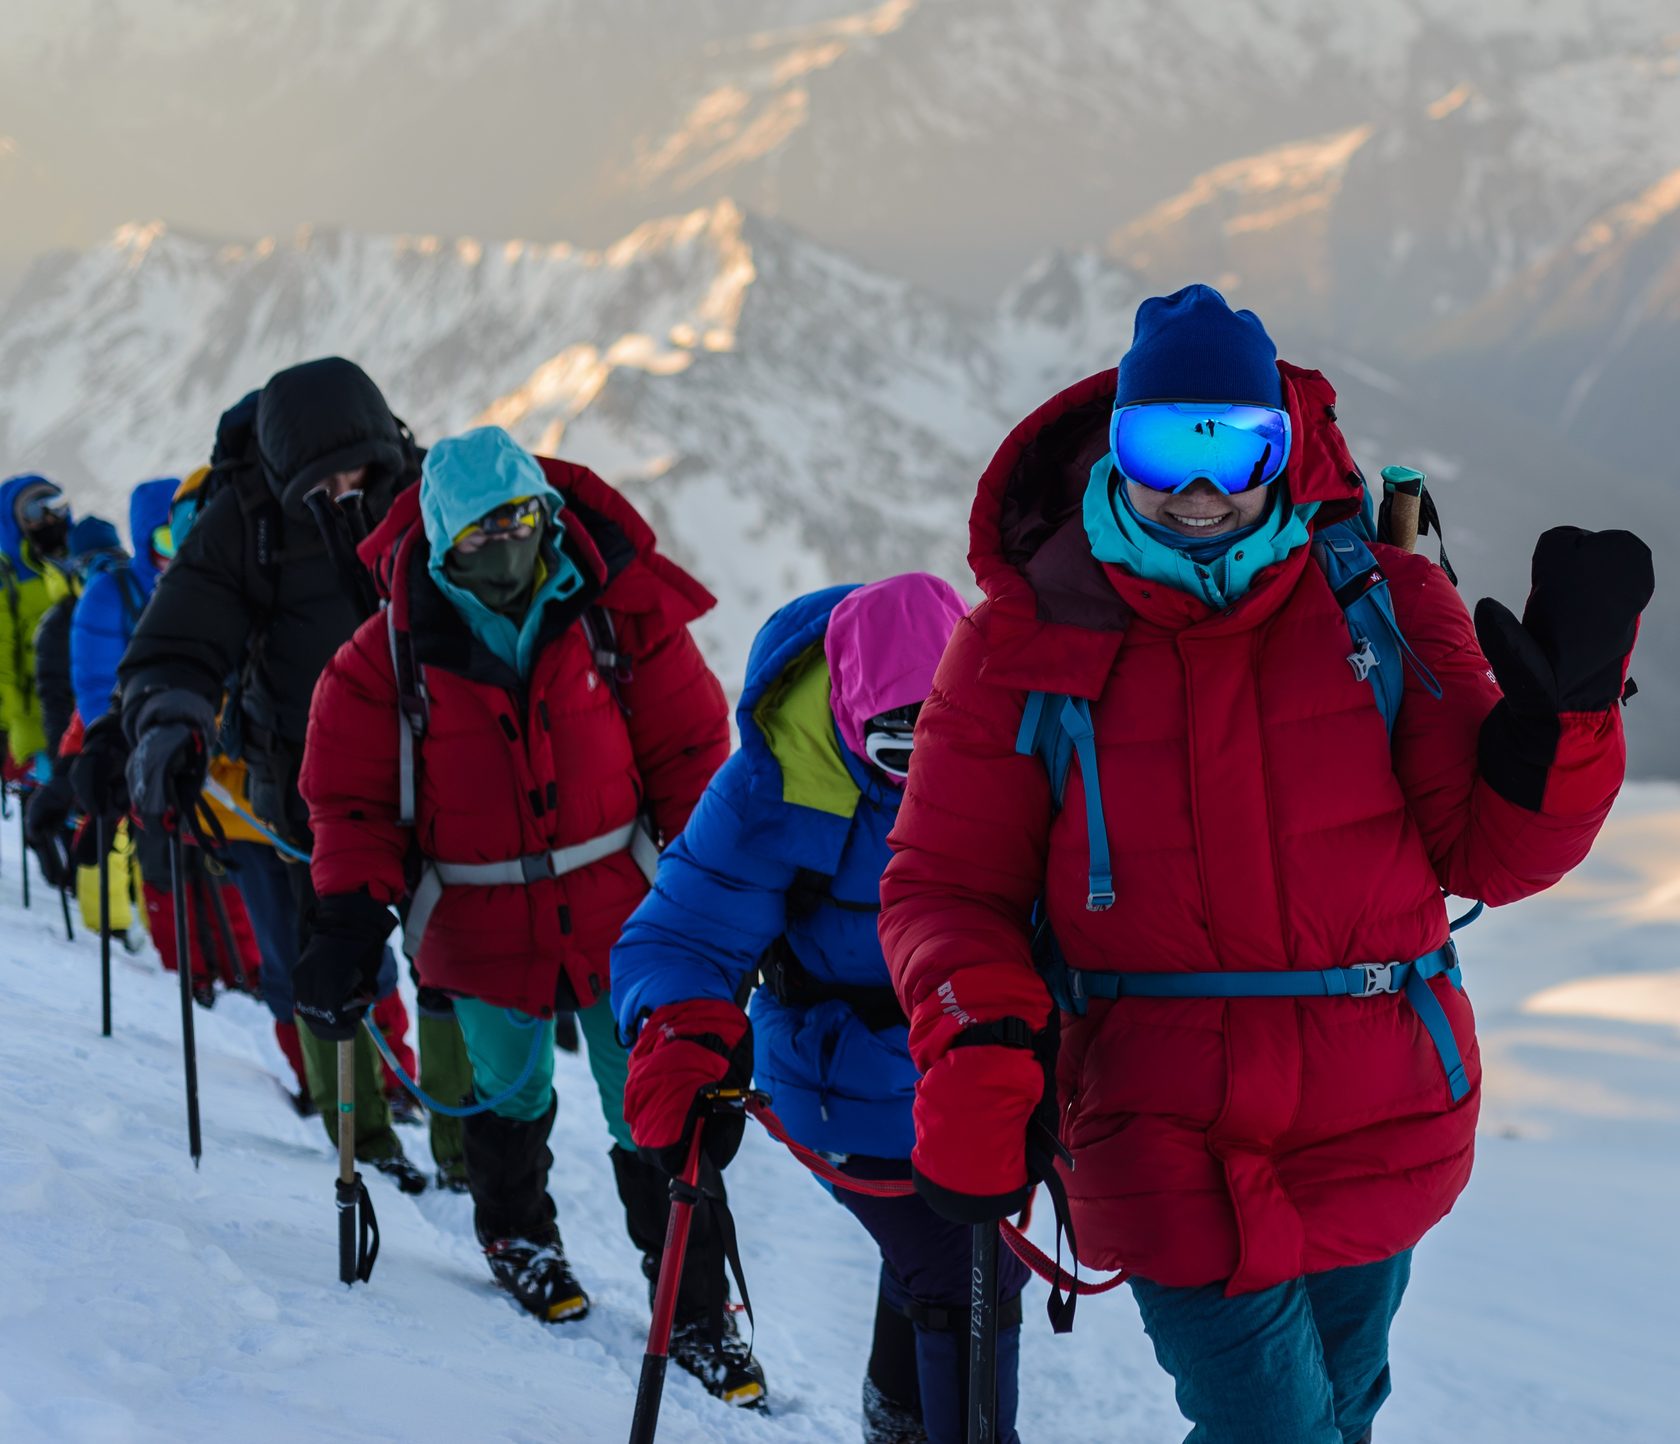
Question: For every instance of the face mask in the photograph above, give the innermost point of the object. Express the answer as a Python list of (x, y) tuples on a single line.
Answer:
[(50, 536), (498, 574)]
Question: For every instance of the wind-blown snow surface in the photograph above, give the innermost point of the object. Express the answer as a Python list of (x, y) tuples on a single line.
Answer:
[(146, 1302)]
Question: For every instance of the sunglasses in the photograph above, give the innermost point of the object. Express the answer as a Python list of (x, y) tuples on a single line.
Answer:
[(514, 521), (163, 541), (1169, 445), (890, 737), (40, 507)]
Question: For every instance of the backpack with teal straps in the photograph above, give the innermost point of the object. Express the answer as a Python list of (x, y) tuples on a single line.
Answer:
[(1056, 728)]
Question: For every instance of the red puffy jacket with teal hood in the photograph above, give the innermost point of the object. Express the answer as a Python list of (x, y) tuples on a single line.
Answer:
[(1259, 819), (529, 746)]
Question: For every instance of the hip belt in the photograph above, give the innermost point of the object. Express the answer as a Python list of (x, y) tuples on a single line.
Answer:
[(1074, 988), (435, 875)]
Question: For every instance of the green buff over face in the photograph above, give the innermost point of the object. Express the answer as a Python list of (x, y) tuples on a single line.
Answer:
[(500, 573)]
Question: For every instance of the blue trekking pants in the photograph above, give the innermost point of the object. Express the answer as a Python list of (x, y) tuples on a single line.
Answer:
[(1303, 1363), (925, 1261)]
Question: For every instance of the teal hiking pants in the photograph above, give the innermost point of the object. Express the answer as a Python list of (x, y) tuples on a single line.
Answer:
[(500, 1042)]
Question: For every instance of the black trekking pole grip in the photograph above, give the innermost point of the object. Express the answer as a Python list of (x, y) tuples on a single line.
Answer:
[(358, 1228), (102, 840), (982, 1336), (183, 963)]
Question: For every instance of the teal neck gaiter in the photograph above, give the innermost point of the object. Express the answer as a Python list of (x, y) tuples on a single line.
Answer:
[(1218, 571)]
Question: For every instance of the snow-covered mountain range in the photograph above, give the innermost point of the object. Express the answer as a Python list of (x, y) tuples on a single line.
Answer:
[(785, 415), (891, 227)]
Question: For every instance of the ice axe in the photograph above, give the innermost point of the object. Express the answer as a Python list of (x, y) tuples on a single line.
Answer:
[(358, 1229)]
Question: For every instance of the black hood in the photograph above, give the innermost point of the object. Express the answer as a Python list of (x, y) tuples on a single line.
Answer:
[(323, 417)]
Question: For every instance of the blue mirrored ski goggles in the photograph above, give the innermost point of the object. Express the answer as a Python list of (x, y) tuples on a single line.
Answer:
[(1167, 445)]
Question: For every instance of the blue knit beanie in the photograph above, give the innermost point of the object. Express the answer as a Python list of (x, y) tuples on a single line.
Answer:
[(1191, 346), (92, 534)]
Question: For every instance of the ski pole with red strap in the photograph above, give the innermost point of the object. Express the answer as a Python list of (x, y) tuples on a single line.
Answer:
[(685, 1193)]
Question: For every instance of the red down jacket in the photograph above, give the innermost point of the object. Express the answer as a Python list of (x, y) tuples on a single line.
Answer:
[(507, 770), (1258, 819)]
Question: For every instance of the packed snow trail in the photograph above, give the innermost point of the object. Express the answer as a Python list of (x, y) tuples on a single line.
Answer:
[(145, 1302)]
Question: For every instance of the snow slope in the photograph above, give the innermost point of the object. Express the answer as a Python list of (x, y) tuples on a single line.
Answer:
[(146, 1302)]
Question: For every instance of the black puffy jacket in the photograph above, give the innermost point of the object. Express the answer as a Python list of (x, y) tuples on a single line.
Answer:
[(254, 593)]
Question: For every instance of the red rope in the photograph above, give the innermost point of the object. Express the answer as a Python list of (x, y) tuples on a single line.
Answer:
[(1029, 1253)]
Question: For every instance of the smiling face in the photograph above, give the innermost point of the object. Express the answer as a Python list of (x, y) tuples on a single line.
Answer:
[(1201, 509)]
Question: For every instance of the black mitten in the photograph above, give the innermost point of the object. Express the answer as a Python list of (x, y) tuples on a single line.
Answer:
[(1567, 654)]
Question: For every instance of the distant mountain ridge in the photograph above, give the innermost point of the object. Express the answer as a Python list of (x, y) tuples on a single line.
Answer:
[(785, 415)]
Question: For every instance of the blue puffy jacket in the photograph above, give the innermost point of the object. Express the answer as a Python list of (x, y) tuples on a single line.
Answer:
[(792, 798), (111, 600)]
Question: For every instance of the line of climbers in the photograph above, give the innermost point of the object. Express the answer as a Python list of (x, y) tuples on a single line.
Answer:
[(1129, 880)]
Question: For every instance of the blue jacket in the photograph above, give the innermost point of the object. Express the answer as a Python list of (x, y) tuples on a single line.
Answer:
[(111, 600), (793, 797)]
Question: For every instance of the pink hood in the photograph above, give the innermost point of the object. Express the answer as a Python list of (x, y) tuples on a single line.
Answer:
[(884, 642)]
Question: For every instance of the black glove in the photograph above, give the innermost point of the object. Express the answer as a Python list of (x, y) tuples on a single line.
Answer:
[(334, 981), (1566, 655), (171, 754), (44, 829), (96, 772)]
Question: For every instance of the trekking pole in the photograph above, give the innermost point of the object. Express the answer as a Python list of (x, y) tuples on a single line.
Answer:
[(69, 927), (183, 962), (102, 840), (982, 1336), (358, 1229), (224, 930), (651, 1388), (23, 849)]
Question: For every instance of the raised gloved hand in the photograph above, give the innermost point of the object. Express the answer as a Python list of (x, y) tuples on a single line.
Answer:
[(1567, 655), (44, 826), (171, 754), (335, 980), (97, 776), (683, 1049)]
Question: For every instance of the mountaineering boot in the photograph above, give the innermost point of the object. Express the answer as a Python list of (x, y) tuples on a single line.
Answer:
[(403, 1108), (730, 1372), (727, 1370), (892, 1394), (537, 1275), (399, 1170), (507, 1162), (886, 1421)]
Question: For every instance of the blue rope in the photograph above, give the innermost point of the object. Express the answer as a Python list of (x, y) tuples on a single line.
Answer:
[(430, 1103), (226, 800)]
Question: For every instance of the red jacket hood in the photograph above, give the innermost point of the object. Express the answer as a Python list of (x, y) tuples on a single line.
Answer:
[(596, 516), (1053, 619)]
